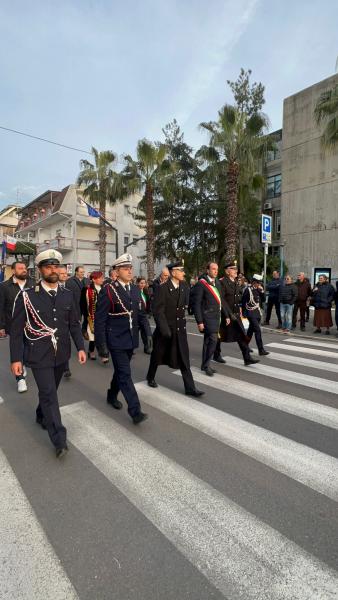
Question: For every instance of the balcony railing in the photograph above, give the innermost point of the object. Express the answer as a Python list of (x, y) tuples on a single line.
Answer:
[(60, 243)]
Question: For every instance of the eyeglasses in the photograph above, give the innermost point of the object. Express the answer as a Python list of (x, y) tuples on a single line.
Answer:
[(179, 269)]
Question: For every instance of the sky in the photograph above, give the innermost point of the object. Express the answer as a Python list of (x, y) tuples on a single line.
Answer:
[(106, 73)]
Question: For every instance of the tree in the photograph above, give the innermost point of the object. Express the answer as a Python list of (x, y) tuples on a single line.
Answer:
[(249, 98), (144, 175), (326, 112), (103, 186), (238, 139)]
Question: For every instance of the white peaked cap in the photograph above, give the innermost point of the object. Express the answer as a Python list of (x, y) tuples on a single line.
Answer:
[(48, 257), (123, 260)]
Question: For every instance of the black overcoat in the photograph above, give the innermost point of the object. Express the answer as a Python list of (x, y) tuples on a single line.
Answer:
[(232, 298), (206, 308), (170, 341), (8, 292)]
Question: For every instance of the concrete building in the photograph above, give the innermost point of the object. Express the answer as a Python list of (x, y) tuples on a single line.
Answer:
[(302, 189), (309, 225), (57, 219)]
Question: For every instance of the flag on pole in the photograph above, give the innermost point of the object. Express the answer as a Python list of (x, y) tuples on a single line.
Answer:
[(93, 212), (10, 242)]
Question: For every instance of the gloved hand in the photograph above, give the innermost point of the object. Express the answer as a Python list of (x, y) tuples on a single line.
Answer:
[(149, 343), (103, 351)]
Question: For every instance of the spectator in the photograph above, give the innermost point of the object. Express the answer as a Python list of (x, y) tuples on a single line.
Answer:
[(322, 297), (145, 299), (304, 292), (75, 284), (63, 277), (336, 302), (112, 276), (273, 299), (89, 296), (287, 298)]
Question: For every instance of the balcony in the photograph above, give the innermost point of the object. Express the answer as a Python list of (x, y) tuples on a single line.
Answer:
[(60, 243)]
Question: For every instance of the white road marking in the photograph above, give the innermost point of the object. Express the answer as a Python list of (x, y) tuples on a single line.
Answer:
[(314, 351), (1, 400), (318, 383), (310, 467), (29, 567), (305, 342), (305, 409), (242, 556), (303, 362)]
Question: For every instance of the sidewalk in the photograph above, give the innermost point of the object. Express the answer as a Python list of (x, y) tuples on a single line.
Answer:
[(309, 329)]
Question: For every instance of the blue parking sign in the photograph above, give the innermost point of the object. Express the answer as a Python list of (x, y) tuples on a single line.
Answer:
[(266, 229)]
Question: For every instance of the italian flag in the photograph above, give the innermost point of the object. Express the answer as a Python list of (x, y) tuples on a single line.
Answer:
[(10, 242)]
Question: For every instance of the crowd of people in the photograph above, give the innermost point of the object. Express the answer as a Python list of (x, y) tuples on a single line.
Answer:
[(110, 313)]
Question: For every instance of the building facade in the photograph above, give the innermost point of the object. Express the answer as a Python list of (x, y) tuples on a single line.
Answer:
[(59, 220), (309, 218)]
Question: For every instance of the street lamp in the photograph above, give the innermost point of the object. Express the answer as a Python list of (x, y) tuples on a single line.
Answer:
[(281, 257)]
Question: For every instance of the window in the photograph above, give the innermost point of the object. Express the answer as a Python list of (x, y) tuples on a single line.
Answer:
[(276, 224), (274, 186), (135, 239), (126, 210), (126, 241), (58, 233)]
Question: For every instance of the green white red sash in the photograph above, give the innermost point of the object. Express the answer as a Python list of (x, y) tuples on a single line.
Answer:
[(213, 290)]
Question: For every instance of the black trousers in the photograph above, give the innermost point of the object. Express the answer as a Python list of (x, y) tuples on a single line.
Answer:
[(122, 380), (144, 336), (243, 347), (301, 305), (189, 384), (255, 328), (209, 347), (47, 380), (273, 303)]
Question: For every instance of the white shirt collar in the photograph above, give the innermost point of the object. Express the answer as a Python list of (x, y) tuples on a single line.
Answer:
[(21, 283), (176, 285), (47, 288), (211, 279), (123, 284)]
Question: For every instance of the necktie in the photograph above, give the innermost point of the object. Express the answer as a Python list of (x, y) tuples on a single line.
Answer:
[(127, 288), (52, 293)]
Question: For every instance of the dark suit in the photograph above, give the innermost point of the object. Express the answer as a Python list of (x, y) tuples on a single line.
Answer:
[(170, 342), (207, 307), (75, 285), (8, 292), (119, 333), (232, 298), (46, 362)]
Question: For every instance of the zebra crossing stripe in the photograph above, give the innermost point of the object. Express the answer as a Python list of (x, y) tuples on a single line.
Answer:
[(304, 342), (305, 409), (301, 463), (29, 567), (242, 556), (317, 383), (314, 351), (303, 361)]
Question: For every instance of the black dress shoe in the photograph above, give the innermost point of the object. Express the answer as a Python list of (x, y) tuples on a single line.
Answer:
[(219, 359), (152, 383), (195, 393), (263, 353), (139, 418), (67, 374), (61, 452), (251, 361), (250, 350), (114, 402), (40, 421), (208, 371)]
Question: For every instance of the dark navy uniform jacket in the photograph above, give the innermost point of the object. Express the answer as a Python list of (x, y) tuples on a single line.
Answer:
[(207, 309), (59, 314), (112, 325)]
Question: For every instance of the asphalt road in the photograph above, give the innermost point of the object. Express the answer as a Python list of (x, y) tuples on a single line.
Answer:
[(234, 496)]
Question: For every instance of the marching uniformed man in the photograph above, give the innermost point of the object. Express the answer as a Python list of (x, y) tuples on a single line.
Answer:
[(44, 318), (208, 307), (117, 319), (252, 299), (233, 331), (170, 342)]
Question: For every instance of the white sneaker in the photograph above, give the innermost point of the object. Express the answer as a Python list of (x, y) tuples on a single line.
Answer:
[(22, 386), (24, 372)]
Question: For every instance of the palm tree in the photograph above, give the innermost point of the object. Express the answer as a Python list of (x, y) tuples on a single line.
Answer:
[(103, 187), (326, 111), (238, 139), (144, 175)]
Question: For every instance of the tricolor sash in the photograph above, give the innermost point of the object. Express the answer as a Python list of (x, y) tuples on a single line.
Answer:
[(213, 290)]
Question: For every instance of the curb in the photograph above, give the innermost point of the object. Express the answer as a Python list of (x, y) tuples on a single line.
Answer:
[(298, 335)]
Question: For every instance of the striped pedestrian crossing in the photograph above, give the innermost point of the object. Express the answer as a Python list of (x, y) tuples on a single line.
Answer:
[(303, 361), (314, 351), (318, 383), (239, 554), (308, 466), (311, 342), (29, 567)]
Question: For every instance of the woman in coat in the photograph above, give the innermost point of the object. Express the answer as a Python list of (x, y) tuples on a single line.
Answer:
[(322, 298), (88, 303)]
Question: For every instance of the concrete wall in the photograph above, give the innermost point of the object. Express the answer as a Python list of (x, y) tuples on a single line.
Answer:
[(309, 187)]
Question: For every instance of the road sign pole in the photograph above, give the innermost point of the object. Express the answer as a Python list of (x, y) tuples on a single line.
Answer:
[(266, 252)]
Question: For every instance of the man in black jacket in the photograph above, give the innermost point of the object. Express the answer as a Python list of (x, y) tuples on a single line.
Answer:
[(208, 307), (170, 341), (273, 298), (252, 299), (8, 292), (75, 285), (43, 318)]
